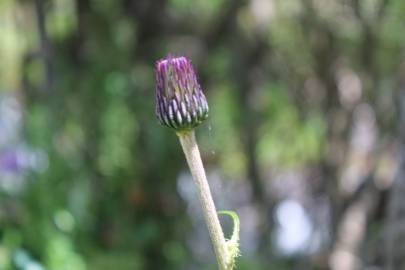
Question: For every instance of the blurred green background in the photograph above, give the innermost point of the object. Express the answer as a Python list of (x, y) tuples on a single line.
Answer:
[(305, 139)]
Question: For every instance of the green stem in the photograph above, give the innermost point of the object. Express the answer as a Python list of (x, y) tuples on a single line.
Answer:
[(192, 153)]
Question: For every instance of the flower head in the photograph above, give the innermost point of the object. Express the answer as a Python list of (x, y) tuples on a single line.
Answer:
[(180, 102)]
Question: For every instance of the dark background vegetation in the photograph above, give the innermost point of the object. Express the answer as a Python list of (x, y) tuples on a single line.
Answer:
[(305, 138)]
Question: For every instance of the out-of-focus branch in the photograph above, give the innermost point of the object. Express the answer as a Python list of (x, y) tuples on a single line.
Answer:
[(351, 232), (381, 9), (224, 24), (45, 47)]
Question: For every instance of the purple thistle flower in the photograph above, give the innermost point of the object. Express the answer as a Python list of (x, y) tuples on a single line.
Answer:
[(180, 102)]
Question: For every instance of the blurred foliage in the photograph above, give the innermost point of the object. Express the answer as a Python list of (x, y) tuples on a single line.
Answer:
[(102, 189)]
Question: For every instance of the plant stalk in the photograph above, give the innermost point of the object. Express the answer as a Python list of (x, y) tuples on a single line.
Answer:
[(192, 153)]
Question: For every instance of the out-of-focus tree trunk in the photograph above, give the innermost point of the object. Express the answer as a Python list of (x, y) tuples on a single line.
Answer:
[(251, 57), (395, 228)]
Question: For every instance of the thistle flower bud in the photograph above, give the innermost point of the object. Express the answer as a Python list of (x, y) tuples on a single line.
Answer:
[(180, 102)]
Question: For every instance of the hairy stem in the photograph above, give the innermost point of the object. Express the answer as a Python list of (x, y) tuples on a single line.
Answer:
[(192, 153)]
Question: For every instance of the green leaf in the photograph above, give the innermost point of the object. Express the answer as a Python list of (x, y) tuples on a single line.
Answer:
[(233, 242)]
